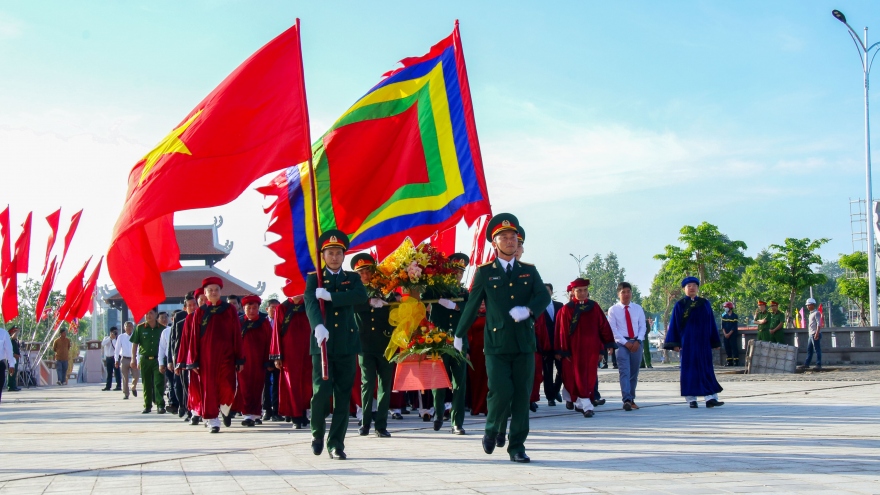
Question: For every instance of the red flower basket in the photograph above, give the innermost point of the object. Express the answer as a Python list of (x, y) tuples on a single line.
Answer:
[(421, 373)]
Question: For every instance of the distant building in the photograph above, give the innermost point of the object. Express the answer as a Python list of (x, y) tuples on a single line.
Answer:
[(200, 250)]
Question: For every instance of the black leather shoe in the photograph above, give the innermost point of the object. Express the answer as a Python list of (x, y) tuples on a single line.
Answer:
[(578, 409), (117, 389), (297, 425), (161, 410), (426, 417), (438, 423), (457, 430), (627, 406), (558, 397), (248, 422), (258, 421), (520, 457), (693, 404), (588, 414), (195, 420), (569, 405), (276, 418), (364, 430), (317, 446), (267, 416), (533, 406), (382, 433), (551, 403), (714, 403), (604, 366), (102, 390), (396, 416), (500, 440), (337, 454), (227, 421), (600, 402), (488, 444), (134, 392), (288, 419), (215, 429), (404, 411), (146, 411)]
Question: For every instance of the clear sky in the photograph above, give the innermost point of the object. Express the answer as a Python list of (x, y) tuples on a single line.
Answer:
[(605, 126)]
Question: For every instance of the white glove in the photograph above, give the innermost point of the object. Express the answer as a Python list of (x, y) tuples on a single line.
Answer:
[(446, 303), (519, 313), (457, 343), (322, 293), (321, 333), (377, 303)]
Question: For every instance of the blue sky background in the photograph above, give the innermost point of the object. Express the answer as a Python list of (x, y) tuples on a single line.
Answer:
[(605, 126)]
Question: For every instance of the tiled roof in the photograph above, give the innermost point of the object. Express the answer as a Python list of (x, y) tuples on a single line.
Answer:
[(187, 278), (198, 240)]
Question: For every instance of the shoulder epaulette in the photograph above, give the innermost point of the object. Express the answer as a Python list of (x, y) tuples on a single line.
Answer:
[(311, 272), (524, 263), (486, 264)]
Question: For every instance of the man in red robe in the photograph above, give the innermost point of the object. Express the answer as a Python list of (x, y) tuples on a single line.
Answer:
[(215, 354), (255, 336), (190, 380), (290, 351), (582, 330)]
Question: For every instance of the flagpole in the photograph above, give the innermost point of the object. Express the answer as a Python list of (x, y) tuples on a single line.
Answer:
[(319, 272)]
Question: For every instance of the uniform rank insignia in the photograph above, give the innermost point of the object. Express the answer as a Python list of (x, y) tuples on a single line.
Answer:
[(494, 278)]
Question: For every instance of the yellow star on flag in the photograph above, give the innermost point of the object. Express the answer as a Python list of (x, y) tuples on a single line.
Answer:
[(171, 144)]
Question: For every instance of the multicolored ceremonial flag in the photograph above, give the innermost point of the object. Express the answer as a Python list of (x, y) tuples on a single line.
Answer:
[(254, 123), (403, 161)]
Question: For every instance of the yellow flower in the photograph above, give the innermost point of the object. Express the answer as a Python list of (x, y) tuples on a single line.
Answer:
[(442, 334), (437, 340)]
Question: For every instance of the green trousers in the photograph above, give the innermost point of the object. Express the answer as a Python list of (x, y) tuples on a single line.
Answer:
[(13, 379), (510, 385), (646, 353), (457, 371), (154, 382), (341, 370), (375, 366), (778, 337), (763, 335)]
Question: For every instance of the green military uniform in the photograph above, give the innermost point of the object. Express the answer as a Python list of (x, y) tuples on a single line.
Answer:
[(776, 319), (763, 328), (375, 333), (147, 339), (509, 345), (447, 320), (343, 345)]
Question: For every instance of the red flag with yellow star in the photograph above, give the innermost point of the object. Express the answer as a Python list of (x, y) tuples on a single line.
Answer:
[(254, 123)]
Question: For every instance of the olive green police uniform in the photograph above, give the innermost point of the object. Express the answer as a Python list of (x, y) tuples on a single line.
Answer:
[(447, 320), (147, 339), (763, 328), (343, 346), (776, 319), (509, 345), (375, 333)]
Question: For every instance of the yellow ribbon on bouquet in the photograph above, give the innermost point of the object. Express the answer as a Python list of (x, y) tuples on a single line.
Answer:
[(405, 318)]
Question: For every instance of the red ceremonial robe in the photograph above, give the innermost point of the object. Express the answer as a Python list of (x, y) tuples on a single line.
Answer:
[(255, 337), (194, 387), (579, 345), (290, 344), (479, 385), (215, 350), (542, 345)]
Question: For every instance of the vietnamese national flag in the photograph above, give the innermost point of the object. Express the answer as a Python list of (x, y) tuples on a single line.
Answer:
[(254, 123), (52, 220)]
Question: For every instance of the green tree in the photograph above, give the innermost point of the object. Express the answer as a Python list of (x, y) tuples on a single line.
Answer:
[(665, 291), (856, 288), (710, 255), (792, 264), (756, 283), (605, 274), (265, 304), (835, 303)]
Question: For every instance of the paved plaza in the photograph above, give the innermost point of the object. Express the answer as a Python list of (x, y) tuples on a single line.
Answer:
[(812, 434)]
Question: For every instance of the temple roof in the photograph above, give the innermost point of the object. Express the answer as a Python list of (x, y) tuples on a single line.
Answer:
[(188, 278), (200, 242)]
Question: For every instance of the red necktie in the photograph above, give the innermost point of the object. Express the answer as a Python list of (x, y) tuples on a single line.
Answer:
[(629, 323)]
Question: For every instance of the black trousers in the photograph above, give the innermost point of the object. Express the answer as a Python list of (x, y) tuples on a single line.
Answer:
[(270, 391), (3, 375), (552, 385), (173, 397), (178, 389), (110, 364), (731, 346)]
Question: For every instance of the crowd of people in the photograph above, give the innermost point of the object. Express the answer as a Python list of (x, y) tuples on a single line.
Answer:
[(323, 353)]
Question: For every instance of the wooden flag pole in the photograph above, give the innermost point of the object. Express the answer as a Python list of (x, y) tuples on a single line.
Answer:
[(319, 273)]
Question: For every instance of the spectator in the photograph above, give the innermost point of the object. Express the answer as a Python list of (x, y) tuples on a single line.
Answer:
[(7, 359), (123, 360), (730, 327), (16, 353), (627, 320), (108, 346), (62, 347), (814, 337)]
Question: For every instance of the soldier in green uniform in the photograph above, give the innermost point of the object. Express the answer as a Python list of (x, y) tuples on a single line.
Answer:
[(375, 333), (341, 291), (445, 314), (776, 324), (762, 319), (145, 344), (514, 294)]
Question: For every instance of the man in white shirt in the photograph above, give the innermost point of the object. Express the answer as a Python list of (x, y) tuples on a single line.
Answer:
[(108, 347), (123, 360), (7, 359), (814, 335), (627, 321)]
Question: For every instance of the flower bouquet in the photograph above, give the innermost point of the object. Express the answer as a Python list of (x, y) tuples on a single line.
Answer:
[(413, 269), (420, 365)]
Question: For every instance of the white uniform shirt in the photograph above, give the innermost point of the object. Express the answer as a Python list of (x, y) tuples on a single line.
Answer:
[(108, 346), (123, 346), (6, 348), (163, 346), (617, 320)]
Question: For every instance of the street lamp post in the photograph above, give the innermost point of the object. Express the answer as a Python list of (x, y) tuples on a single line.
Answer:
[(864, 52), (579, 260)]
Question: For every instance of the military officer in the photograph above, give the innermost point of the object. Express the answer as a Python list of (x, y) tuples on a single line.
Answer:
[(514, 294), (776, 324), (375, 333), (762, 319), (336, 327), (445, 314), (145, 343)]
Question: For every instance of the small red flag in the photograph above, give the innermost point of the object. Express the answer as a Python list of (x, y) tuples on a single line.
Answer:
[(23, 247), (254, 123), (53, 224), (10, 297), (74, 221), (83, 303), (45, 289), (74, 288), (5, 258)]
